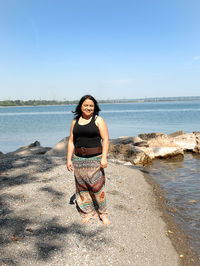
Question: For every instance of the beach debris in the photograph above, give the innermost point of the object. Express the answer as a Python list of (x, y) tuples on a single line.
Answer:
[(169, 232), (14, 238), (29, 230), (188, 237), (192, 201), (181, 256), (172, 210)]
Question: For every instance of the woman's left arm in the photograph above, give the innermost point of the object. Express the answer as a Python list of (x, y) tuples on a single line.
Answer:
[(101, 124)]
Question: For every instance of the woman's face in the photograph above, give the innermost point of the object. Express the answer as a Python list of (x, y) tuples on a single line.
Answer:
[(87, 108)]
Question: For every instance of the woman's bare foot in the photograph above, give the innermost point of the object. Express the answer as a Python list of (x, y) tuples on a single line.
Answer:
[(95, 216), (105, 221), (86, 219)]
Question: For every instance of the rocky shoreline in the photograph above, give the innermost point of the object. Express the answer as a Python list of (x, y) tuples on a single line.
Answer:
[(144, 148), (40, 225)]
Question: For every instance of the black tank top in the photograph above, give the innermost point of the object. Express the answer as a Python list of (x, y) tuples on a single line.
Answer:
[(87, 136)]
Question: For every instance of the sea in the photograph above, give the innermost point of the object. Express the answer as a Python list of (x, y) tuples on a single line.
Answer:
[(180, 180)]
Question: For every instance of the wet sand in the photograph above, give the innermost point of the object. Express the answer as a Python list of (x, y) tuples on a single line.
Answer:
[(41, 226)]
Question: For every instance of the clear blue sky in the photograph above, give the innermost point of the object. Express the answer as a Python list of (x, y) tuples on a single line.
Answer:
[(111, 49)]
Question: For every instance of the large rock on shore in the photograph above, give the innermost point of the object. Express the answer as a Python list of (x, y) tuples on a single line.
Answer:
[(187, 141), (130, 153), (31, 149), (197, 147), (141, 150), (138, 150), (60, 149)]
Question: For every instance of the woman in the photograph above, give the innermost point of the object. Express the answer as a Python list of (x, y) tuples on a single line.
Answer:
[(89, 141)]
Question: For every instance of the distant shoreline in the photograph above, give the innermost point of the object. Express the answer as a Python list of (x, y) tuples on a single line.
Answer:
[(31, 103)]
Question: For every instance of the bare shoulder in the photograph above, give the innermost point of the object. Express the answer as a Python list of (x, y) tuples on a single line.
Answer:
[(73, 123), (99, 120)]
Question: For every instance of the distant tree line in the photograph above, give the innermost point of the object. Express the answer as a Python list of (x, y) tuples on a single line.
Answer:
[(34, 102), (54, 102)]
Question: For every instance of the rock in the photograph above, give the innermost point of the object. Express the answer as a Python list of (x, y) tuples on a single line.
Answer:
[(127, 163), (196, 149), (26, 151), (197, 137), (136, 140), (148, 136), (175, 134), (161, 146), (161, 141), (129, 153), (137, 156), (1, 153), (60, 149), (128, 140), (117, 161), (141, 144), (115, 152), (121, 140), (145, 148), (167, 152), (186, 141), (34, 144)]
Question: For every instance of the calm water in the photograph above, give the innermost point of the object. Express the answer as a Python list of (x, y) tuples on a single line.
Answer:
[(181, 183), (20, 126)]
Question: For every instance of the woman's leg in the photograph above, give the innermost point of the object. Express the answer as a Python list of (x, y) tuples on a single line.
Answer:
[(99, 195), (84, 200), (90, 184)]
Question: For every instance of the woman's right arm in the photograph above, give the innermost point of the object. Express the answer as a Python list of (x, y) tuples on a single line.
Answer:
[(70, 147)]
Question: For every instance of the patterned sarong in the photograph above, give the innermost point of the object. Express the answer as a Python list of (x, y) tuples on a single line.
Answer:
[(90, 183)]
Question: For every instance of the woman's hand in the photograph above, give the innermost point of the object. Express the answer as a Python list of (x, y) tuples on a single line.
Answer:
[(103, 163), (69, 165)]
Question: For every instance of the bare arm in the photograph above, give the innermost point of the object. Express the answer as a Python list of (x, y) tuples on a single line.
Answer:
[(70, 147), (101, 124)]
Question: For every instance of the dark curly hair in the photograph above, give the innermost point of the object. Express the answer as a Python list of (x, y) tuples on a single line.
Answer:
[(78, 112)]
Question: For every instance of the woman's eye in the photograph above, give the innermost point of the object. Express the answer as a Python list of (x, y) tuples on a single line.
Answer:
[(91, 106)]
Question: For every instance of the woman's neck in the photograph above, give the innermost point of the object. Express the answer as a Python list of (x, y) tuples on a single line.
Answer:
[(86, 117)]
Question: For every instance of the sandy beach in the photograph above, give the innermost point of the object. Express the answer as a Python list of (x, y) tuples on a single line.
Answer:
[(41, 226)]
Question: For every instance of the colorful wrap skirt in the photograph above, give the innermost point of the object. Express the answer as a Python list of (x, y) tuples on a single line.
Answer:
[(90, 185)]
